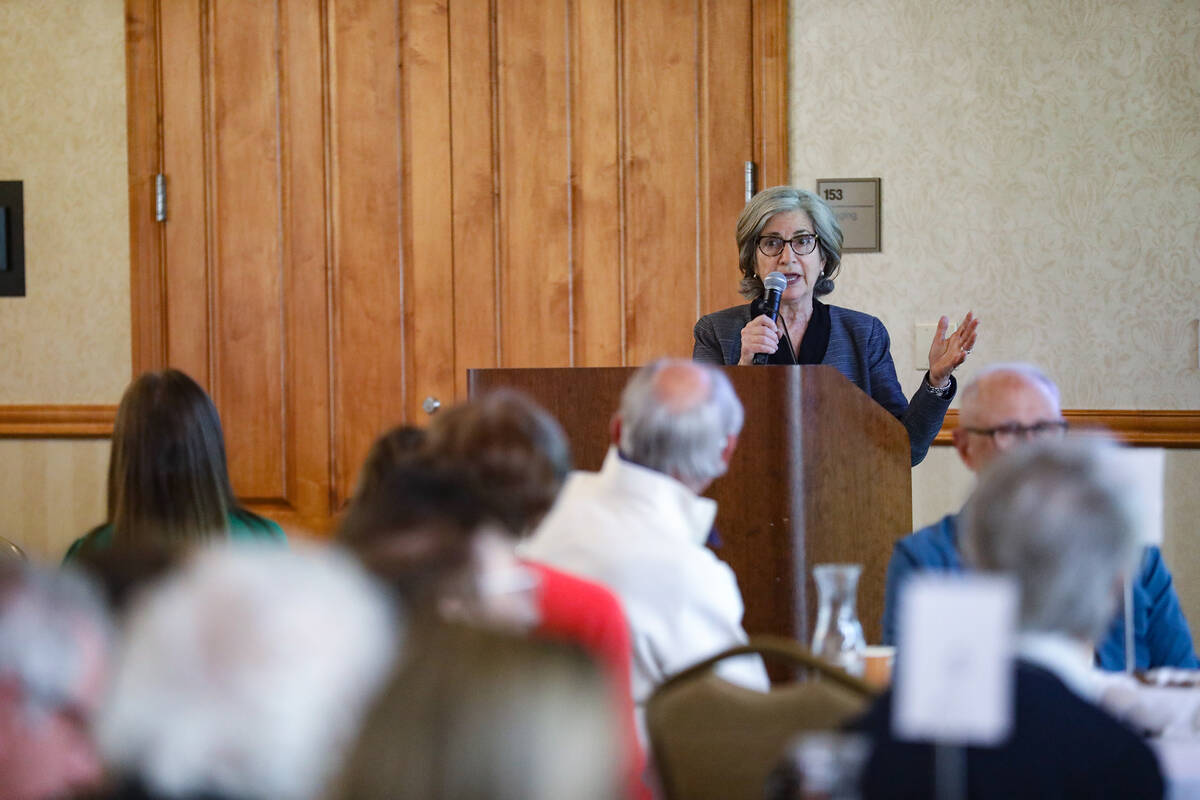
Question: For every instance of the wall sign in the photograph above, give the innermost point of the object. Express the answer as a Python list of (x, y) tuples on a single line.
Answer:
[(857, 204), (12, 239)]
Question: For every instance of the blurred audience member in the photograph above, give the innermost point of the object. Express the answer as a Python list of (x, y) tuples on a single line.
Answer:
[(167, 477), (517, 456), (244, 675), (1059, 517), (1005, 406), (639, 525), (54, 639), (478, 714), (414, 531), (393, 447)]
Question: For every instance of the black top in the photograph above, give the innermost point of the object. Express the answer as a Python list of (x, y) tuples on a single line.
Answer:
[(1061, 746), (814, 342)]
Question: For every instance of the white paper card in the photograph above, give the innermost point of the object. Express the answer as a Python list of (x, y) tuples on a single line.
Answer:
[(1145, 467), (954, 672)]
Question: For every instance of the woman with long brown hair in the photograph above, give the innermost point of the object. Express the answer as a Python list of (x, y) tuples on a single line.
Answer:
[(168, 484)]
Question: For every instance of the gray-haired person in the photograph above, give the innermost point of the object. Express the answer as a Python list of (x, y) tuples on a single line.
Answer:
[(1004, 407), (54, 641), (639, 525), (791, 231), (1059, 517)]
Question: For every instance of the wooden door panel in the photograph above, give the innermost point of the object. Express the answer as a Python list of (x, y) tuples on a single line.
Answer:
[(245, 289), (596, 186), (727, 130), (535, 252), (186, 105), (368, 357), (366, 199), (661, 181), (305, 295), (470, 280)]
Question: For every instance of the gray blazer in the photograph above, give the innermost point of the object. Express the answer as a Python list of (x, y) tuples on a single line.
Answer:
[(860, 349)]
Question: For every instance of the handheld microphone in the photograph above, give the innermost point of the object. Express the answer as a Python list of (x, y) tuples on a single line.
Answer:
[(775, 285)]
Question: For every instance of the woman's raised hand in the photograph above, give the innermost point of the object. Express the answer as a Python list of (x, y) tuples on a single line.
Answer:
[(946, 352), (760, 335)]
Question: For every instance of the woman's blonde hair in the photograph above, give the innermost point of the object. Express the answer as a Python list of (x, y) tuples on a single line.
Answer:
[(483, 714)]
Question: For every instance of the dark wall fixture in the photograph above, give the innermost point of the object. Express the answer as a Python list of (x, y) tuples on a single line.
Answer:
[(12, 239)]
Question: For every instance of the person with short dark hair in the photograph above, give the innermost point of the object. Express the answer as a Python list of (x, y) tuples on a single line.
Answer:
[(168, 483), (443, 524)]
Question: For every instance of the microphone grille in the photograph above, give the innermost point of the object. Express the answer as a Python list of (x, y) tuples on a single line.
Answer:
[(775, 281)]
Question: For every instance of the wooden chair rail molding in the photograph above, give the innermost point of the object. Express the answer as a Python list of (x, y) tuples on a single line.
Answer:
[(57, 422), (1143, 428)]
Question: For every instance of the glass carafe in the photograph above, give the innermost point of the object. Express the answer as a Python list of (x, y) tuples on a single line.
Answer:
[(838, 637)]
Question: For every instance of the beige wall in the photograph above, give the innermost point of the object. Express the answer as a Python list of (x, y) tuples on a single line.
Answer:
[(63, 134), (67, 340), (1041, 165)]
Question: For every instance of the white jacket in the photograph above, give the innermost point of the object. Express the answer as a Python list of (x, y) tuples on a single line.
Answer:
[(641, 533)]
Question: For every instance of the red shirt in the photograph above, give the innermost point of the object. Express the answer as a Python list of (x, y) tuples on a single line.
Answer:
[(587, 614)]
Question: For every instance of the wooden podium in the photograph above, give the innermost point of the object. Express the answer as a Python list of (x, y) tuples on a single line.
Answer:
[(821, 474)]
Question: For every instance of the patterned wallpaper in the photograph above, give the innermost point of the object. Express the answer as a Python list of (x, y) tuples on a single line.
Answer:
[(1041, 165), (63, 134)]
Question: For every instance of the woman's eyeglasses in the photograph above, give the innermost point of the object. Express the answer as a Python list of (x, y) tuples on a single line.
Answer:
[(802, 244)]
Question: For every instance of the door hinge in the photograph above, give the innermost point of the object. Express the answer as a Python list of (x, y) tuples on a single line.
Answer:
[(160, 198), (749, 176)]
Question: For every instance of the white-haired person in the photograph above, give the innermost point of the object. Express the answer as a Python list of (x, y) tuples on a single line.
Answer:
[(244, 675), (639, 525), (1005, 406), (1060, 518), (792, 231), (54, 646)]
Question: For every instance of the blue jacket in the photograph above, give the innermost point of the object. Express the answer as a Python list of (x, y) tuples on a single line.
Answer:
[(1161, 636), (858, 347)]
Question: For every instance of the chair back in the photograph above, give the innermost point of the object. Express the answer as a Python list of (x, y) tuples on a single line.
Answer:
[(712, 739), (9, 551)]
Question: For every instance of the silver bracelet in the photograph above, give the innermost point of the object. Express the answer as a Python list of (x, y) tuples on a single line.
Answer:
[(935, 391)]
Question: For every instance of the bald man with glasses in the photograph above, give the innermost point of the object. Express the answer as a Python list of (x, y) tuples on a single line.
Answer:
[(1005, 405)]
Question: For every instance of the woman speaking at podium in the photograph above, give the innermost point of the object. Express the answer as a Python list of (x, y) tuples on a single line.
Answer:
[(793, 232)]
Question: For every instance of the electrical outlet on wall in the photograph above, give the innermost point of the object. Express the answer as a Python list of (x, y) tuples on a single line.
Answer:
[(922, 338)]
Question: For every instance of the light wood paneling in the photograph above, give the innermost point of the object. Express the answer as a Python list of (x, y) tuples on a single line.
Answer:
[(427, 203), (186, 158), (143, 108), (473, 302), (534, 153), (246, 262), (660, 98), (365, 199), (51, 492), (305, 258), (597, 191), (365, 118)]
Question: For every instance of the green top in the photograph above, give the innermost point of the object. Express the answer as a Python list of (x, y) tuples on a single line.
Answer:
[(243, 525)]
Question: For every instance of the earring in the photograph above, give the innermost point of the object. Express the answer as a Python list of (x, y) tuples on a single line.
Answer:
[(823, 286)]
